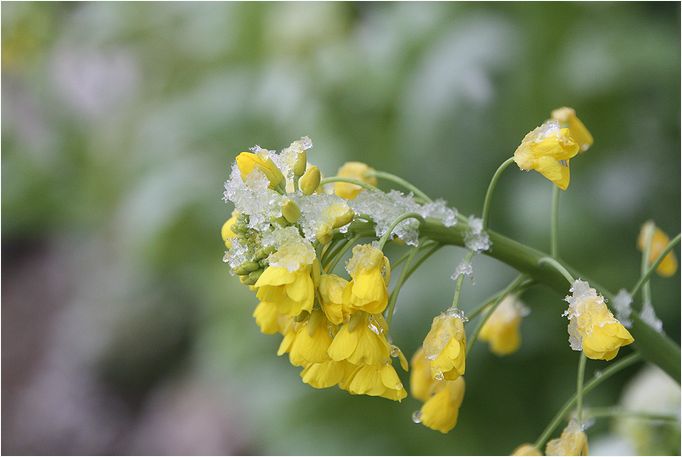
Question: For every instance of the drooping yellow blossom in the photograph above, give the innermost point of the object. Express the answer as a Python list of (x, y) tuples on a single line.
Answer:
[(331, 298), (356, 170), (226, 231), (249, 161), (362, 341), (440, 412), (291, 291), (592, 328), (370, 271), (376, 381), (573, 441), (326, 374), (421, 382), (445, 345), (526, 449), (307, 342), (567, 119), (501, 329), (659, 240), (268, 318), (547, 150)]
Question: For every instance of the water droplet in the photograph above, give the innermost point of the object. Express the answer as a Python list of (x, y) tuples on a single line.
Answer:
[(438, 376), (598, 374), (395, 352), (417, 417)]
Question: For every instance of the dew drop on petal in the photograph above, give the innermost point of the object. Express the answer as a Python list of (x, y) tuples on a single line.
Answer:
[(417, 417)]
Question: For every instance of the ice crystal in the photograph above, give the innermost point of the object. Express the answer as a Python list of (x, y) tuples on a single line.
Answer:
[(463, 269), (583, 300), (237, 254), (439, 210), (648, 315), (476, 239), (622, 305), (292, 250), (253, 198), (314, 214)]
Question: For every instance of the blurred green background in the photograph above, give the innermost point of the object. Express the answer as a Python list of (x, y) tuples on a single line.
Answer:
[(123, 331)]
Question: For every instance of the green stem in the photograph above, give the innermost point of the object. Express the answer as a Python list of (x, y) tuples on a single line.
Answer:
[(651, 268), (655, 347), (395, 223), (554, 223), (404, 257), (594, 382), (460, 280), (558, 267), (646, 252), (422, 259), (401, 182), (357, 182), (511, 288), (491, 190), (396, 289), (597, 413), (339, 255), (579, 389)]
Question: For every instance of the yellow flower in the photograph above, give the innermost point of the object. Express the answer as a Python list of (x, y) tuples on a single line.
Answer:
[(445, 346), (376, 381), (421, 382), (226, 230), (567, 119), (334, 216), (326, 374), (331, 298), (355, 170), (592, 327), (501, 329), (659, 241), (370, 271), (267, 317), (526, 449), (440, 412), (307, 342), (249, 161), (291, 291), (362, 341), (573, 441), (547, 150)]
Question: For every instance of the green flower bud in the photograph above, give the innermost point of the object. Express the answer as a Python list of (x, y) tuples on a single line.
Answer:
[(290, 211), (300, 164), (310, 180)]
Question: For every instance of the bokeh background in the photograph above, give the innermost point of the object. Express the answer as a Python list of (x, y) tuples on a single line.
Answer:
[(122, 330)]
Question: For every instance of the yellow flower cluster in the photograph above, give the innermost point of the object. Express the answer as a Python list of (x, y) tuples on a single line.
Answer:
[(332, 327), (549, 148)]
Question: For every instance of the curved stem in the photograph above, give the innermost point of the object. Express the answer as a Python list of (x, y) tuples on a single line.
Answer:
[(491, 190), (460, 280), (395, 223), (396, 289), (579, 388), (554, 223), (511, 288), (594, 382), (357, 182), (338, 255), (558, 267), (645, 276), (401, 182), (422, 259)]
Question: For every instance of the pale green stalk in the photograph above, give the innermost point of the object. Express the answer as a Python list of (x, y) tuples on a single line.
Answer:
[(491, 190)]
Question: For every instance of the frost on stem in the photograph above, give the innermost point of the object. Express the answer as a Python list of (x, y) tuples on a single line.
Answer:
[(476, 239), (622, 305), (465, 269), (385, 207), (648, 315)]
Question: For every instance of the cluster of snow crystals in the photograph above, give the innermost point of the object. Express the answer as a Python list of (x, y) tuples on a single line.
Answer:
[(313, 212), (384, 209), (286, 159), (253, 198), (476, 239), (434, 346), (549, 128), (439, 210), (237, 255), (463, 269), (456, 313), (292, 250), (622, 305), (648, 315), (581, 293)]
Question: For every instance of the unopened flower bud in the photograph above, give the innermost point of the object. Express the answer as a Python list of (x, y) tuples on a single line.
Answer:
[(291, 212), (300, 163), (310, 180)]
